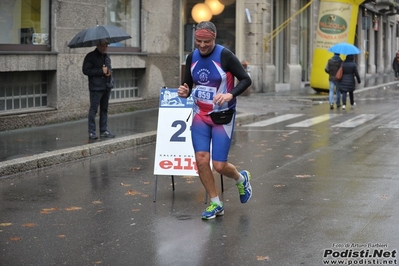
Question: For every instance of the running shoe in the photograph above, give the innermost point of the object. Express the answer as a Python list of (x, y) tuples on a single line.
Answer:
[(245, 188), (107, 134), (212, 211), (93, 136)]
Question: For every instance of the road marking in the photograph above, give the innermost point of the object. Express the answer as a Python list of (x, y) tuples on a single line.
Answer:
[(392, 124), (356, 121), (313, 121), (273, 120)]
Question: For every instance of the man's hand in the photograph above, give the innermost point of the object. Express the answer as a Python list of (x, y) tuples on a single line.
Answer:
[(220, 98), (105, 70), (183, 90)]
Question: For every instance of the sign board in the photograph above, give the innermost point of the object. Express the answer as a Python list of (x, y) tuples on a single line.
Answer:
[(174, 153)]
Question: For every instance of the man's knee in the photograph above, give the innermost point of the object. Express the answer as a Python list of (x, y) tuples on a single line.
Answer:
[(219, 166)]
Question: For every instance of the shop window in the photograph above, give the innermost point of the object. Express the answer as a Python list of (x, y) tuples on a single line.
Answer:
[(24, 25), (126, 85), (126, 15)]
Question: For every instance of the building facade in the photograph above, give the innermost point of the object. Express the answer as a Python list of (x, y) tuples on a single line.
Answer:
[(42, 80)]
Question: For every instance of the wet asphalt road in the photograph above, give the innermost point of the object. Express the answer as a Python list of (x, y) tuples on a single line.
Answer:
[(316, 189)]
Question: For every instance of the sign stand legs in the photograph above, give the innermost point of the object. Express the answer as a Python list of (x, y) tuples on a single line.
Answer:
[(156, 186)]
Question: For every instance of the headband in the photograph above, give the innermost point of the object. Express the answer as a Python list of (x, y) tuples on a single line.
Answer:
[(205, 34)]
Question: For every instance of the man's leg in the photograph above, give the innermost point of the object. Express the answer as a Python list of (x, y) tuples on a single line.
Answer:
[(201, 138), (331, 94), (338, 95), (94, 102), (221, 142), (205, 173), (104, 111)]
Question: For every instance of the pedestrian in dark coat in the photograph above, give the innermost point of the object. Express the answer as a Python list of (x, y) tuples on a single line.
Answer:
[(395, 65), (97, 66), (347, 83)]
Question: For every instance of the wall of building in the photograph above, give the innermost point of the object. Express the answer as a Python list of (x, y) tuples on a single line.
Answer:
[(68, 93)]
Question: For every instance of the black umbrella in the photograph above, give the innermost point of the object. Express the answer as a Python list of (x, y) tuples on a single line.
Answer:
[(93, 36)]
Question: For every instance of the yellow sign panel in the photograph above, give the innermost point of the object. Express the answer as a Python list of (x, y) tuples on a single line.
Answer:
[(337, 23)]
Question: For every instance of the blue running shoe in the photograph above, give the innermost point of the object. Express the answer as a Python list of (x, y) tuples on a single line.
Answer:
[(245, 188), (212, 211)]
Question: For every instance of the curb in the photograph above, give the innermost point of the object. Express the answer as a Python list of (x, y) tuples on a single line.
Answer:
[(71, 154)]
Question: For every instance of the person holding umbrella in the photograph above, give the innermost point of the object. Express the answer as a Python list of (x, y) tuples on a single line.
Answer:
[(97, 66), (347, 84), (331, 69)]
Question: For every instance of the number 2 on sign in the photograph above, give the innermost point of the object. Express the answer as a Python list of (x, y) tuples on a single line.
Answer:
[(176, 136)]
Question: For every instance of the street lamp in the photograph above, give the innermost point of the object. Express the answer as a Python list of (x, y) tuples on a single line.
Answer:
[(216, 6), (201, 12)]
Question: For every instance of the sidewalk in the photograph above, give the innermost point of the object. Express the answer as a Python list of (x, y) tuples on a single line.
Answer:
[(37, 147)]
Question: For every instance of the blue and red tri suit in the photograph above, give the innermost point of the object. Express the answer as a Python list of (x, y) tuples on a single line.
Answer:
[(209, 78)]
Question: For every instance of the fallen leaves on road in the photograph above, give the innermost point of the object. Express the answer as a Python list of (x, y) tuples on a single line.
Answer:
[(74, 208), (135, 210), (279, 186), (125, 185), (264, 258), (29, 225), (5, 224), (131, 192), (15, 238), (97, 202), (135, 168), (48, 210), (61, 236)]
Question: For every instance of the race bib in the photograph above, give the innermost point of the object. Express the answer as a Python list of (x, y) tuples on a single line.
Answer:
[(205, 93)]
